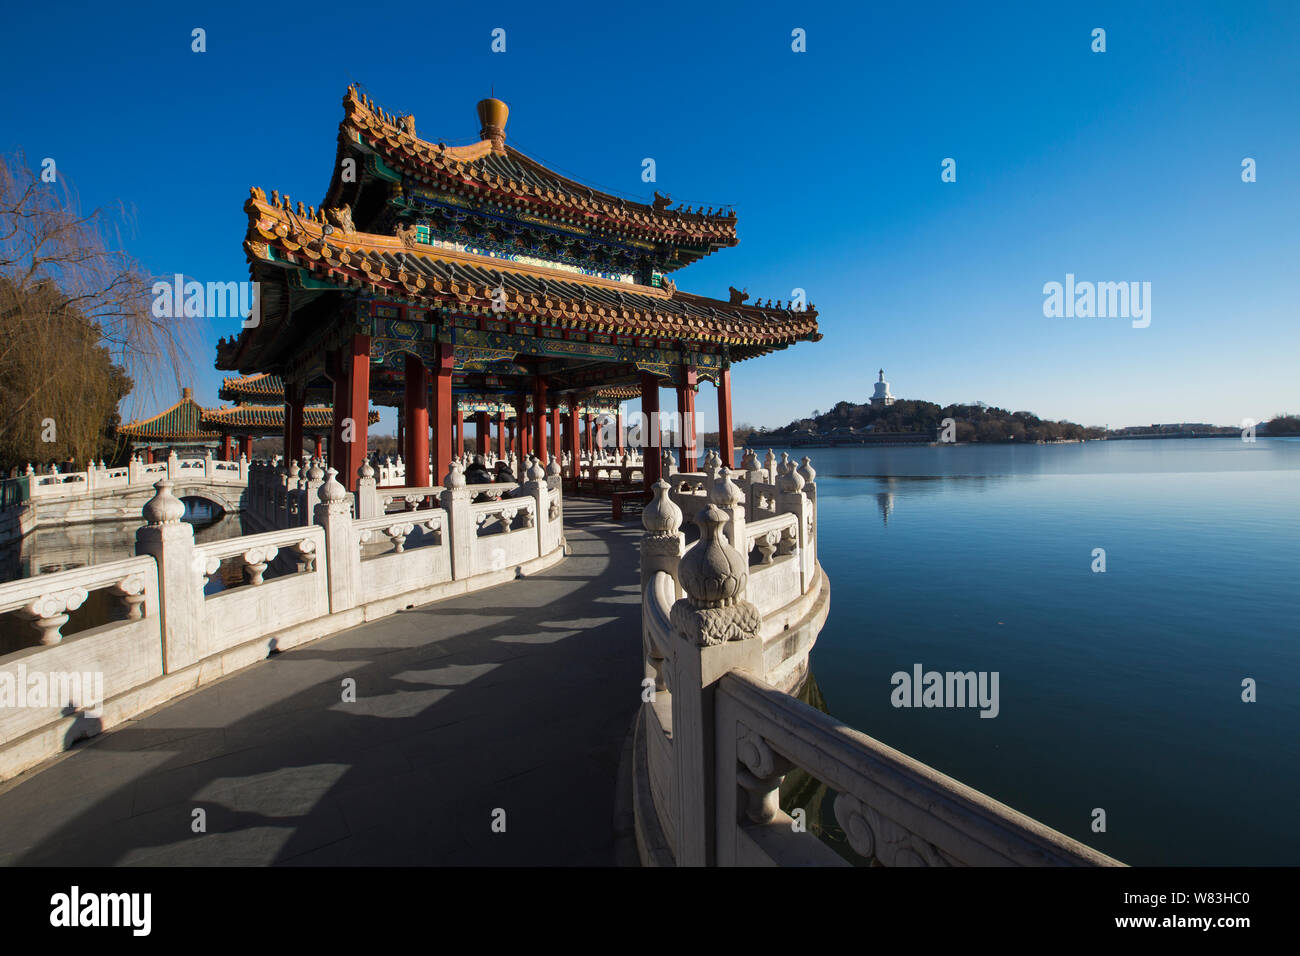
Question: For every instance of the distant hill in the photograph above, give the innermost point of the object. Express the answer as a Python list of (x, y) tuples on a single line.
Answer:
[(850, 422)]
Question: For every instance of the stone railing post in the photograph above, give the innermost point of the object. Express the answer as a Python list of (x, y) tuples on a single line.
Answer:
[(714, 631), (170, 542), (731, 500), (311, 492), (243, 468), (173, 465), (333, 512), (538, 488), (461, 531), (134, 471), (662, 547), (368, 503), (790, 499)]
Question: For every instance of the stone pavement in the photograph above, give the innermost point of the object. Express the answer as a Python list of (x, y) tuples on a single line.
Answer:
[(518, 698)]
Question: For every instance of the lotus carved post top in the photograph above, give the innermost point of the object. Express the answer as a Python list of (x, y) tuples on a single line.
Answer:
[(332, 491), (661, 518), (713, 574), (725, 493), (789, 481), (163, 507)]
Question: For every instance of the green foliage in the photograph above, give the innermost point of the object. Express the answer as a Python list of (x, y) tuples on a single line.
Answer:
[(973, 423)]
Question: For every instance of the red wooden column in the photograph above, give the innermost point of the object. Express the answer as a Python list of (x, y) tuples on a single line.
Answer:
[(539, 418), (319, 445), (688, 455), (575, 433), (460, 432), (416, 449), (295, 400), (501, 433), (618, 431), (246, 447), (726, 440), (652, 454), (227, 447), (348, 440), (522, 436), (555, 432), (591, 434), (443, 407), (483, 433)]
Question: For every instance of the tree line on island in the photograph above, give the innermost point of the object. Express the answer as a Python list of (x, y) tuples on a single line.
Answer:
[(905, 419)]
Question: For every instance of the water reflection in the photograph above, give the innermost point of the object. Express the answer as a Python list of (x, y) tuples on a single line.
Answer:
[(48, 550)]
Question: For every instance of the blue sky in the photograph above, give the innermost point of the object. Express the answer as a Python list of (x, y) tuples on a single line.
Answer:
[(1115, 166)]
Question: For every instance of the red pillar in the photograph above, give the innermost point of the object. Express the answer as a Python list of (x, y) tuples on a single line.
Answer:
[(652, 454), (618, 432), (555, 431), (688, 455), (351, 409), (416, 405), (460, 432), (501, 433), (246, 447), (227, 447), (575, 432), (483, 429), (320, 443), (295, 399), (539, 418), (443, 406), (726, 440), (591, 434)]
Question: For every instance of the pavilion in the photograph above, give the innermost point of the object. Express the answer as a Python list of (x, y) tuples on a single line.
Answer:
[(442, 280), (180, 427)]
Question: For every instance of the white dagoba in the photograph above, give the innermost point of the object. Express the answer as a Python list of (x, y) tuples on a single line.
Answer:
[(882, 396)]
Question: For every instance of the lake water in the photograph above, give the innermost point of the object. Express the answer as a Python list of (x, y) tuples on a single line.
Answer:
[(1119, 690)]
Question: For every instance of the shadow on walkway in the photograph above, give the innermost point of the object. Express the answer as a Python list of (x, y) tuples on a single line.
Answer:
[(515, 699)]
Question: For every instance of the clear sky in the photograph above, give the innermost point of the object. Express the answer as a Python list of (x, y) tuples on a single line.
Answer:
[(1115, 166)]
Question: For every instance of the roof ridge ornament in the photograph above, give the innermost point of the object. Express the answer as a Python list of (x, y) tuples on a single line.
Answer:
[(492, 115)]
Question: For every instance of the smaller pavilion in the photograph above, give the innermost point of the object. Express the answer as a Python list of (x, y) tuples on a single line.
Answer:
[(180, 427)]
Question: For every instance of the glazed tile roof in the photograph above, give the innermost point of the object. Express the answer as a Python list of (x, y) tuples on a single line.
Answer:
[(184, 420), (499, 174), (259, 386), (436, 276), (315, 417)]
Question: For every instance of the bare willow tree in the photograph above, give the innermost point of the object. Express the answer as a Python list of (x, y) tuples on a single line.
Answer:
[(77, 332)]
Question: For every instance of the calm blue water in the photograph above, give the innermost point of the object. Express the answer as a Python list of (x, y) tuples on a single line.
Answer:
[(1119, 690)]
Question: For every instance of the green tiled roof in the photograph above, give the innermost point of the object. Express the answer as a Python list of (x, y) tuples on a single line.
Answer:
[(183, 420)]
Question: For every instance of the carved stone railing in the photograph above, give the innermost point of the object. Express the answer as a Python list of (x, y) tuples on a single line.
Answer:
[(74, 673), (138, 475), (894, 811), (727, 626), (281, 588), (235, 615)]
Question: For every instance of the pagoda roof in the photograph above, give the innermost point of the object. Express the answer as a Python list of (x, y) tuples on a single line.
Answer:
[(184, 420), (260, 386), (493, 174), (314, 417), (441, 277)]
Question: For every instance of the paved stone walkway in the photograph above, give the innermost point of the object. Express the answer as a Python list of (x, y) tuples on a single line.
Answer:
[(519, 698)]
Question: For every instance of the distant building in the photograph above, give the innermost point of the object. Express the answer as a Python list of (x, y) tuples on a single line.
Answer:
[(882, 396)]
